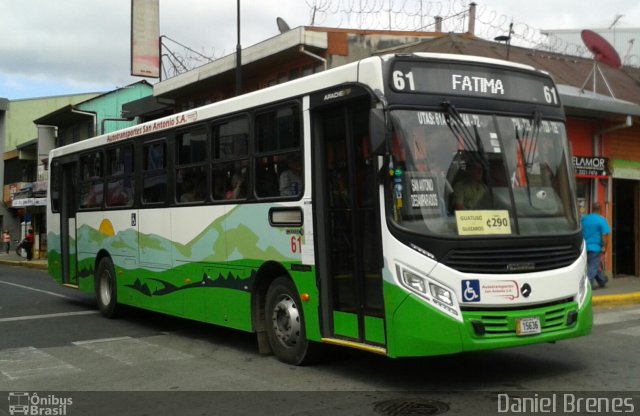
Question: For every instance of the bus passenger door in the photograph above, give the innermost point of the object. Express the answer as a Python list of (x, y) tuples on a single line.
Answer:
[(348, 238), (68, 249)]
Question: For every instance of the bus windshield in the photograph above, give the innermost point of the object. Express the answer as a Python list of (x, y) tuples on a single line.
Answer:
[(472, 174)]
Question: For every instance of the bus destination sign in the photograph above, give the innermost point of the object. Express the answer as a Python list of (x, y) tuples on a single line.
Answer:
[(467, 79)]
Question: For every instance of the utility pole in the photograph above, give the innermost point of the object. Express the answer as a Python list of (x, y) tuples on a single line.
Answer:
[(238, 57)]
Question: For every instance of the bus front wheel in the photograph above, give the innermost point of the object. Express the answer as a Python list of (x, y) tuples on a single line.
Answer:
[(106, 291), (285, 324)]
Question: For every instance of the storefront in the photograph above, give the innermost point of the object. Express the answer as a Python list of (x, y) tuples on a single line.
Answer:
[(28, 200), (606, 161)]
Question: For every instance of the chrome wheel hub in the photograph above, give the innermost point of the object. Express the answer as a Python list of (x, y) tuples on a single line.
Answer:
[(105, 289), (285, 319)]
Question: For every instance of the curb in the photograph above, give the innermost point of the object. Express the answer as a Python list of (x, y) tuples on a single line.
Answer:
[(26, 263), (613, 300)]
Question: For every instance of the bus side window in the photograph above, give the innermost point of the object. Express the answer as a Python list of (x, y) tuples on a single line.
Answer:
[(154, 176), (191, 170), (91, 183), (230, 161), (120, 173), (279, 158), (55, 186)]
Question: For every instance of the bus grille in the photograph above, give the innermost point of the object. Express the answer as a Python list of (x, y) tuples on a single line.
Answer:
[(498, 325), (510, 260)]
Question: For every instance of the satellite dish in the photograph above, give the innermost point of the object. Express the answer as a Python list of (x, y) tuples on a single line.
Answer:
[(601, 49), (602, 52), (282, 25)]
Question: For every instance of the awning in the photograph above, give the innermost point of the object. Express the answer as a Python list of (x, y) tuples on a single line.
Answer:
[(65, 116), (586, 103), (626, 169)]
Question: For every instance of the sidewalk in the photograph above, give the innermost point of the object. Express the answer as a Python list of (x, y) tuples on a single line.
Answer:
[(623, 290), (619, 291), (13, 259)]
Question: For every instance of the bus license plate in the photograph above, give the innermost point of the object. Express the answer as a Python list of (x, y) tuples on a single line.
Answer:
[(528, 326)]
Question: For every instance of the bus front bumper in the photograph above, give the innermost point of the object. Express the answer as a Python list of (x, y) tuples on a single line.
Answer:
[(416, 329)]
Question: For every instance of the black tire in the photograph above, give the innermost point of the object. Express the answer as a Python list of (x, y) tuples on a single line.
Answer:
[(285, 324), (106, 289)]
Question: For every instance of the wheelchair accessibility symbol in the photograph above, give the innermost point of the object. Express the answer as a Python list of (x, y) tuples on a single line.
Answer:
[(471, 290)]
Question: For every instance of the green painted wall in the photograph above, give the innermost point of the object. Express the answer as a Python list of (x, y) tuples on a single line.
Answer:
[(20, 128), (109, 105)]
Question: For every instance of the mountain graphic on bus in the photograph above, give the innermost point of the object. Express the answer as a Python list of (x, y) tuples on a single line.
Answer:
[(250, 239), (229, 281), (238, 237)]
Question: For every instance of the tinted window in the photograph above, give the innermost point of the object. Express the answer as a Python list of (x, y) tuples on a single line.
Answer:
[(55, 187), (91, 186), (278, 130), (154, 176), (120, 179), (191, 172), (279, 167), (230, 168)]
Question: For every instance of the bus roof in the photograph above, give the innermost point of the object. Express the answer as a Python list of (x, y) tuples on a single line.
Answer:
[(360, 71)]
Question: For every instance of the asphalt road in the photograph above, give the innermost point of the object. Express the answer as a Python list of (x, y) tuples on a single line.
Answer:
[(53, 340)]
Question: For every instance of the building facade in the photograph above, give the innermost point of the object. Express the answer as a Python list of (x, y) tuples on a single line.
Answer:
[(19, 164), (49, 123)]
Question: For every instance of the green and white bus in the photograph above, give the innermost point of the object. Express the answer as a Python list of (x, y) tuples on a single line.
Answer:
[(407, 205)]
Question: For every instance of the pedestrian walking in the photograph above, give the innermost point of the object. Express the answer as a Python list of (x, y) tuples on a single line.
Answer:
[(595, 230), (6, 239), (26, 244)]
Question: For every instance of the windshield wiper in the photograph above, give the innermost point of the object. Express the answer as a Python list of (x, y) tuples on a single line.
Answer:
[(527, 155), (469, 140)]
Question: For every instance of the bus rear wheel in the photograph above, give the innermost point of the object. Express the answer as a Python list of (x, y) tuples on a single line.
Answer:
[(285, 324), (106, 291)]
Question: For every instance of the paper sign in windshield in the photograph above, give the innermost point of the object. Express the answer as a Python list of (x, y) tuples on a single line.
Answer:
[(423, 192), (483, 222)]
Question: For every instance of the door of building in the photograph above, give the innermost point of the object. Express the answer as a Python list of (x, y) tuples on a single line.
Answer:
[(626, 247)]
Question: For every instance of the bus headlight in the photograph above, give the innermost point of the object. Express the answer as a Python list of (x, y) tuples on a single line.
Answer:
[(442, 294), (583, 288), (414, 282), (434, 293)]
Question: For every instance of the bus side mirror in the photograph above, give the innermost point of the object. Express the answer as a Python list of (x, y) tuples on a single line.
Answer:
[(378, 131)]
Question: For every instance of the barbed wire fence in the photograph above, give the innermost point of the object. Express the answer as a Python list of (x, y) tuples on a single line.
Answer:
[(401, 15), (420, 15)]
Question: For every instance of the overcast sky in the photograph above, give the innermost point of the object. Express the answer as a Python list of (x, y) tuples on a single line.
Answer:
[(51, 47)]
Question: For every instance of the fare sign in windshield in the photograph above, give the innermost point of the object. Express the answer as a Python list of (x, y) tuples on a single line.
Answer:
[(468, 79)]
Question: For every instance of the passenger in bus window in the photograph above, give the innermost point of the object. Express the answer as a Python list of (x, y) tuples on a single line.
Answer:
[(118, 193), (468, 192), (238, 189), (291, 179), (190, 190)]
